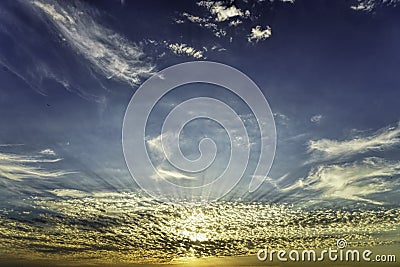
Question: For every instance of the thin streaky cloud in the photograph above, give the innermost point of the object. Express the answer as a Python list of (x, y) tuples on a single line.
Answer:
[(328, 149), (17, 166), (355, 181), (109, 53)]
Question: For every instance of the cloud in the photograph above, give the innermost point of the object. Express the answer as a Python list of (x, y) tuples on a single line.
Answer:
[(364, 6), (69, 193), (171, 174), (109, 53), (342, 170), (371, 5), (155, 148), (257, 34), (222, 12), (316, 118), (235, 22), (16, 166), (184, 49), (48, 151), (194, 19), (328, 149), (163, 168), (205, 23), (281, 118), (353, 181), (227, 20), (11, 145)]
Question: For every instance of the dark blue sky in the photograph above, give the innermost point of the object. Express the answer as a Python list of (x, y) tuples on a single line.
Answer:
[(329, 70)]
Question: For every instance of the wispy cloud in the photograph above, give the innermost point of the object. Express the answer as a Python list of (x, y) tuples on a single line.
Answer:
[(48, 151), (343, 170), (171, 174), (109, 53), (355, 181), (17, 166), (328, 149)]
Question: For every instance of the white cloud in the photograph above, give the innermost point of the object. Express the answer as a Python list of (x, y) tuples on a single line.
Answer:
[(333, 176), (194, 19), (48, 151), (222, 17), (184, 49), (16, 167), (328, 149), (354, 181), (364, 6), (109, 53), (235, 22), (224, 13), (171, 174), (206, 23), (257, 34), (163, 168), (371, 5), (316, 118), (155, 148)]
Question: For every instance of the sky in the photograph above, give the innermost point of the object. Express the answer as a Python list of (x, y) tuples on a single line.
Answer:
[(328, 69)]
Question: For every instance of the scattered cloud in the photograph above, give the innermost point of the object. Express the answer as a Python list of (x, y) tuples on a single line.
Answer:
[(364, 6), (371, 5), (382, 139), (109, 53), (229, 21), (207, 23), (257, 34), (194, 19), (316, 118), (184, 49), (222, 12)]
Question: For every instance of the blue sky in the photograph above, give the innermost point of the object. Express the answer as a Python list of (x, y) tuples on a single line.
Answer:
[(329, 70)]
